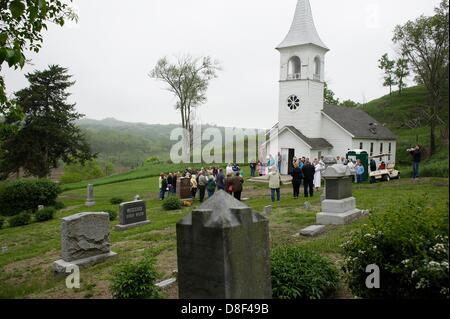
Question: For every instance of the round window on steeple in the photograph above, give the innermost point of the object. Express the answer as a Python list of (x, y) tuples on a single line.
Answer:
[(293, 103)]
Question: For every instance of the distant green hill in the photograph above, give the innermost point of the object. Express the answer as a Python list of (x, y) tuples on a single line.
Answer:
[(402, 114)]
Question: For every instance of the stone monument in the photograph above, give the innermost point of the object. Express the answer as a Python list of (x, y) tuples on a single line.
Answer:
[(223, 251), (328, 161), (132, 214), (84, 240), (184, 188), (90, 195), (339, 206)]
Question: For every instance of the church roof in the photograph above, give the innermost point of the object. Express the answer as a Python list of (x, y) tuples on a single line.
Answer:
[(302, 29), (315, 143), (358, 123)]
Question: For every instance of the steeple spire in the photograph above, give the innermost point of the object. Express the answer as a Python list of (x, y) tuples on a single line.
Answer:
[(302, 30)]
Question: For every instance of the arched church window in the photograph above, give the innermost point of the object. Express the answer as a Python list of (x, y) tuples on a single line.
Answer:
[(294, 68), (317, 66), (293, 103)]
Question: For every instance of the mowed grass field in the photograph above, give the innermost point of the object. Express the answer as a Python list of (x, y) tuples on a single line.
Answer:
[(28, 252)]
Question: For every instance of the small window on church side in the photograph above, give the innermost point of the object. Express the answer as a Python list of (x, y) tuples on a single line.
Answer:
[(390, 150), (361, 145), (381, 148), (371, 149)]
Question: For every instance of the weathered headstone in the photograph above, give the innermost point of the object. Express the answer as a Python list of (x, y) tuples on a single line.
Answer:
[(307, 205), (339, 206), (312, 230), (267, 210), (328, 161), (84, 240), (41, 207), (137, 197), (183, 187), (223, 251), (132, 214), (90, 195)]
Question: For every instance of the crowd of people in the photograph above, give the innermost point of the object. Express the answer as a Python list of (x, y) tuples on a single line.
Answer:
[(205, 181), (230, 179)]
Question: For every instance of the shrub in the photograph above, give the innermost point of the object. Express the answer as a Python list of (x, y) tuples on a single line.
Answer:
[(112, 214), (59, 205), (2, 222), (301, 274), (135, 280), (22, 195), (44, 214), (409, 244), (171, 203), (21, 219), (116, 200)]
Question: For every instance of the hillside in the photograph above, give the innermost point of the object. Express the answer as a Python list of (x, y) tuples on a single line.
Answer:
[(402, 114)]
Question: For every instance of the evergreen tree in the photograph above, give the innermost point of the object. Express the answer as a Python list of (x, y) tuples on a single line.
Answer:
[(48, 132), (388, 66)]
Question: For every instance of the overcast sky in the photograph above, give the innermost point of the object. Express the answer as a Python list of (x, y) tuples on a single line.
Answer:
[(116, 43)]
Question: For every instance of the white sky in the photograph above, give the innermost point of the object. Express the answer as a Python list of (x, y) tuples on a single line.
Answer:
[(116, 43)]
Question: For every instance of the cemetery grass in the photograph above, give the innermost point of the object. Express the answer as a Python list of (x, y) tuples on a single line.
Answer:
[(26, 267)]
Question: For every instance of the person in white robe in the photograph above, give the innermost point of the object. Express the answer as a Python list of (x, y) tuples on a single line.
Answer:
[(318, 175)]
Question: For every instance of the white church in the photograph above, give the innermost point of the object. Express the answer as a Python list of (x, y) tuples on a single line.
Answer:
[(306, 126)]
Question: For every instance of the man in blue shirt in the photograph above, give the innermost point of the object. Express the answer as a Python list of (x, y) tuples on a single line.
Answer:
[(359, 171)]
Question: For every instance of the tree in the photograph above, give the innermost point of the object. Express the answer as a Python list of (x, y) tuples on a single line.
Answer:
[(401, 72), (48, 132), (424, 42), (21, 27), (388, 66), (350, 103), (328, 96), (188, 79)]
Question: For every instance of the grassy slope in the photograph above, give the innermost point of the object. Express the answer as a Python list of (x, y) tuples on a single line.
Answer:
[(26, 267)]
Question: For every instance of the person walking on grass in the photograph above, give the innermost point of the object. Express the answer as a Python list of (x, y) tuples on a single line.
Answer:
[(359, 169), (202, 182), (274, 178), (416, 154), (211, 186), (229, 184), (162, 186), (296, 179), (252, 168), (237, 182), (308, 178), (220, 180), (193, 186)]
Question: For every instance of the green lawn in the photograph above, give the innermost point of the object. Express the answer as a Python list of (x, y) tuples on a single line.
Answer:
[(26, 267)]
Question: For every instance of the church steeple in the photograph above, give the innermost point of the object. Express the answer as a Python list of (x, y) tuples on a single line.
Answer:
[(302, 30)]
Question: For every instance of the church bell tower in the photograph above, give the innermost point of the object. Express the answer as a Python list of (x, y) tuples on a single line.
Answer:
[(302, 64)]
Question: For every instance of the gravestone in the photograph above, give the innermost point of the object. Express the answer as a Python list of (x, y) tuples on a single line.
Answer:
[(312, 230), (90, 195), (339, 206), (132, 214), (328, 161), (41, 207), (84, 240), (183, 187), (223, 251), (267, 210), (137, 197)]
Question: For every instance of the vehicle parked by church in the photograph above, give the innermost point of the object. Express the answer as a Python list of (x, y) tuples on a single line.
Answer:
[(385, 173)]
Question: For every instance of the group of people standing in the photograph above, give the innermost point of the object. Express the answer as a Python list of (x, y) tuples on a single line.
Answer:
[(308, 172), (205, 181)]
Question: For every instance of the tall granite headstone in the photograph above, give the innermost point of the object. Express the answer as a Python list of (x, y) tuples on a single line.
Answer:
[(339, 206), (328, 161), (223, 251), (132, 214), (84, 240), (90, 195), (183, 187)]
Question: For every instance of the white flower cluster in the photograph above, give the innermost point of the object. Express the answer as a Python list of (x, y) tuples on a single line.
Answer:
[(434, 266), (438, 248), (423, 283)]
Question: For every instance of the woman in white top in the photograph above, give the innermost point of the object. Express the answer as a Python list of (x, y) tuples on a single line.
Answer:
[(317, 174)]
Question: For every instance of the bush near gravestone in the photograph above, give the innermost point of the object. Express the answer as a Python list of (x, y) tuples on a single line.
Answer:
[(302, 274), (409, 244), (22, 195), (116, 200), (59, 205), (2, 222), (21, 219), (44, 214), (171, 203), (135, 280), (112, 214)]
